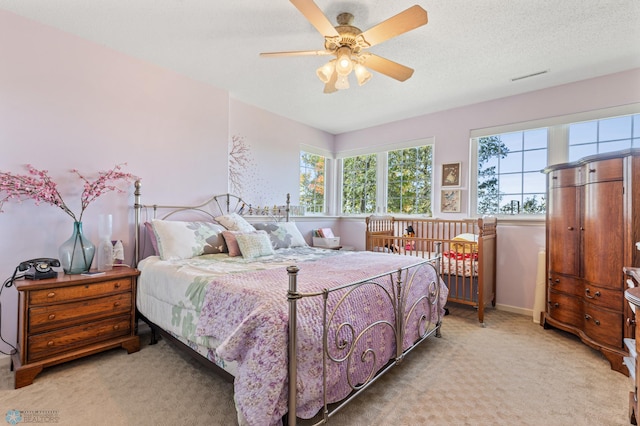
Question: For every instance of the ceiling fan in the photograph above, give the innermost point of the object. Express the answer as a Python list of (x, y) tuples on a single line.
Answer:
[(348, 44)]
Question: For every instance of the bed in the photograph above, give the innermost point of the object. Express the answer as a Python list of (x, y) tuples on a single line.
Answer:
[(468, 265), (301, 331)]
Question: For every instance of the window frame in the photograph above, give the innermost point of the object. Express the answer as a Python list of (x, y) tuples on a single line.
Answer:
[(557, 145), (381, 174), (329, 172)]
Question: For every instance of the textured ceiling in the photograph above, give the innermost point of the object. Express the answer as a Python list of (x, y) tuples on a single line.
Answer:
[(469, 51)]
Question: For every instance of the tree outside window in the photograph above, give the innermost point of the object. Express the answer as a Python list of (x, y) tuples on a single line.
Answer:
[(409, 174), (312, 182), (509, 177), (359, 184)]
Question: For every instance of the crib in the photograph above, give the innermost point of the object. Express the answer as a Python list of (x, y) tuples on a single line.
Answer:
[(468, 265)]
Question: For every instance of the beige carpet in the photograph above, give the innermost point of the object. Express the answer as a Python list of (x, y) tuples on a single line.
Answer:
[(513, 372)]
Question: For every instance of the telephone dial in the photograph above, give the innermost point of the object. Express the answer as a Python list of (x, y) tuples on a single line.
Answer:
[(39, 269)]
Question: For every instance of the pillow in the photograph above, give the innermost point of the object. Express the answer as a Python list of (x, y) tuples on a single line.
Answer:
[(151, 236), (235, 222), (468, 243), (283, 235), (183, 240), (254, 244), (232, 242)]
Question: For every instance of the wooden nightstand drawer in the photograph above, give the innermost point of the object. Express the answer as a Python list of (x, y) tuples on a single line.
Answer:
[(63, 294), (67, 339), (43, 318)]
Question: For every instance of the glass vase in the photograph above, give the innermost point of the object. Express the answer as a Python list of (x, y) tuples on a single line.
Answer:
[(76, 254)]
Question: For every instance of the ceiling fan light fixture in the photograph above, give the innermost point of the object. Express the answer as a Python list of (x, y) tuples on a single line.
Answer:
[(342, 82), (362, 74), (344, 64), (324, 72)]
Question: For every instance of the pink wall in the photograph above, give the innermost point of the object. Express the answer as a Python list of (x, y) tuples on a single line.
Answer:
[(68, 103), (517, 243), (274, 150)]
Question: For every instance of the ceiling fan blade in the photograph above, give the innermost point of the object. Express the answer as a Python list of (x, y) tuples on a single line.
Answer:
[(330, 86), (386, 67), (298, 53), (408, 20), (315, 16)]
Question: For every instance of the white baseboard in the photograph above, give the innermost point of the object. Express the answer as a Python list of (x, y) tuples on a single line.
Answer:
[(515, 310)]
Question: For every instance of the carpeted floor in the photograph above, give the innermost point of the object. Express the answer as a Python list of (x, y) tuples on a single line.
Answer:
[(512, 372)]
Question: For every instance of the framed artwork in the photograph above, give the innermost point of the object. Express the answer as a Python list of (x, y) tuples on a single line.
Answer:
[(451, 174), (450, 201)]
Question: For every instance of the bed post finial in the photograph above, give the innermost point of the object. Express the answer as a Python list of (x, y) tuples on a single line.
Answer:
[(286, 209)]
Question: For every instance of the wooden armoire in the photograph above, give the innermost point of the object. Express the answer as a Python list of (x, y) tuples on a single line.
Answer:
[(593, 223)]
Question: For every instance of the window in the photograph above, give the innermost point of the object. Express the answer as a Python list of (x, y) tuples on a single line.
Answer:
[(509, 178), (606, 135), (359, 184), (409, 180), (312, 182), (396, 179), (507, 160)]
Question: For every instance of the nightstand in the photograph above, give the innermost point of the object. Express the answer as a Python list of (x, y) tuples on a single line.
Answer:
[(72, 316)]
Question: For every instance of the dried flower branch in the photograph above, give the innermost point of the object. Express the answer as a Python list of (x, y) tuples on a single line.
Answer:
[(38, 186)]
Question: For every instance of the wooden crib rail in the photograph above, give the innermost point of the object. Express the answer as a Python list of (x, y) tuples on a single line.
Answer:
[(470, 282)]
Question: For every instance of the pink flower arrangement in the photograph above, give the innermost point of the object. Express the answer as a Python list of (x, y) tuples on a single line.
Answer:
[(38, 186)]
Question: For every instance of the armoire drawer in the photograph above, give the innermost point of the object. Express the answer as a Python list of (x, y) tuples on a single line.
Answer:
[(564, 177), (565, 308), (604, 297), (564, 284), (603, 326), (603, 170)]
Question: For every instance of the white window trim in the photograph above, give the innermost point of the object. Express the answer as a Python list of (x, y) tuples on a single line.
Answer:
[(557, 144), (381, 171), (329, 177)]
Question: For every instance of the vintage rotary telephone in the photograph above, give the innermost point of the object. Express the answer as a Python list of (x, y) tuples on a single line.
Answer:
[(39, 269)]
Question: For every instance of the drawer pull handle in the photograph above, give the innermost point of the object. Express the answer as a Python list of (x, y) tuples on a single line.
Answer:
[(52, 316), (50, 343), (592, 170), (570, 228), (116, 304), (116, 327), (554, 305), (587, 293), (588, 317), (631, 322), (117, 285), (52, 294)]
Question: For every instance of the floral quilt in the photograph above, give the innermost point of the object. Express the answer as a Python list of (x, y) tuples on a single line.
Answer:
[(248, 314)]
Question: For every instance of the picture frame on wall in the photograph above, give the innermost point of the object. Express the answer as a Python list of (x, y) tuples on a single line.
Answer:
[(450, 201), (451, 174)]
